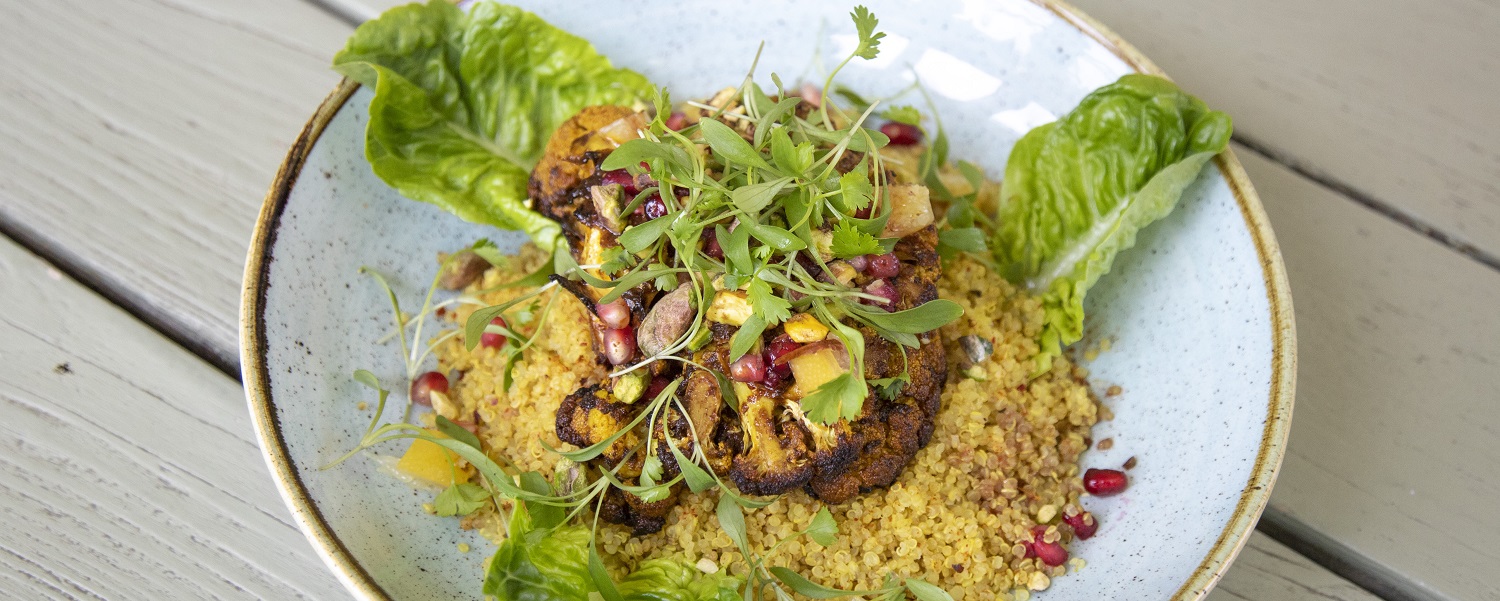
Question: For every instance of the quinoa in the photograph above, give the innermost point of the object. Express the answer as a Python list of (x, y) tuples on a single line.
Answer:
[(1004, 455)]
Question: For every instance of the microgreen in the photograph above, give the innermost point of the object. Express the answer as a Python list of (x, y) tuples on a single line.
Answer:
[(462, 498)]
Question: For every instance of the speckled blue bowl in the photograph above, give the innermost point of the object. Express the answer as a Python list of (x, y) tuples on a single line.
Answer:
[(1198, 313)]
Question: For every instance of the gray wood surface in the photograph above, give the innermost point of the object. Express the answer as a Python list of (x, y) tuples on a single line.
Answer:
[(138, 136), (130, 470)]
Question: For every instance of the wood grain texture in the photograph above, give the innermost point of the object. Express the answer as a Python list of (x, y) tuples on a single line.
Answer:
[(1394, 99), (140, 136), (129, 471), (1394, 431), (1268, 571)]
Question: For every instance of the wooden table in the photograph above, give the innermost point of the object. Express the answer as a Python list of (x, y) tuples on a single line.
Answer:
[(138, 137)]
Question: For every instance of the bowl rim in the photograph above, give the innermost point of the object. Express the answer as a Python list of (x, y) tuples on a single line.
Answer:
[(347, 569)]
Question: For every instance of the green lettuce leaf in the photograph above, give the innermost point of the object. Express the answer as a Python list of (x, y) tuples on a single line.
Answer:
[(540, 564), (671, 580), (1078, 189), (465, 102), (551, 564)]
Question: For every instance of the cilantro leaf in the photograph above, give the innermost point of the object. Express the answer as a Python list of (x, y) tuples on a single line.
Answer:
[(855, 189), (839, 398), (849, 241), (869, 39), (463, 498), (766, 304), (823, 529)]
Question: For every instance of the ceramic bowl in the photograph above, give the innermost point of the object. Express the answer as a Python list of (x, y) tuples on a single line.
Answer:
[(1198, 314)]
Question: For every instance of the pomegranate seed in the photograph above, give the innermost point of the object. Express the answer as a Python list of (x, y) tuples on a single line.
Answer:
[(902, 134), (1084, 524), (778, 348), (424, 385), (1104, 483), (885, 290), (711, 246), (749, 368), (657, 385), (654, 207), (1052, 554), (621, 177), (860, 263), (774, 378), (494, 339), (615, 314), (619, 345), (676, 121), (884, 266)]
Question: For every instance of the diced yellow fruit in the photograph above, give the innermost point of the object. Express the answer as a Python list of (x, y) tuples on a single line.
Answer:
[(805, 328), (815, 369), (731, 307), (911, 210), (431, 463)]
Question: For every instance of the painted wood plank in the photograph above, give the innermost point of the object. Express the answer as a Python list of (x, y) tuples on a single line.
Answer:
[(1394, 99), (130, 470), (140, 136), (1393, 434), (1268, 571)]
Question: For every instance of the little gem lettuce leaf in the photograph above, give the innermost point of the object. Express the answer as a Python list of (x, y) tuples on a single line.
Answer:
[(465, 101), (1078, 189)]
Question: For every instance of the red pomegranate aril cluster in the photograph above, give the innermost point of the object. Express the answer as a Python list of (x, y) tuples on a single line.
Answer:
[(424, 385), (1084, 524), (615, 314), (902, 134), (676, 121), (1052, 554), (883, 266), (494, 339), (780, 370), (1104, 483), (619, 345)]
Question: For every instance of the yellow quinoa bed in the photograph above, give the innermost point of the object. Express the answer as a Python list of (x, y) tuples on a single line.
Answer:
[(1004, 456)]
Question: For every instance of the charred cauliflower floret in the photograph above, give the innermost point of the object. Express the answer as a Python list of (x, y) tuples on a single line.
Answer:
[(621, 507), (590, 416), (700, 396), (776, 458)]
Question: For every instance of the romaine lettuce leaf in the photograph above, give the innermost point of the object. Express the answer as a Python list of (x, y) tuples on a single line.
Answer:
[(551, 564), (540, 564), (465, 102), (1078, 189)]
